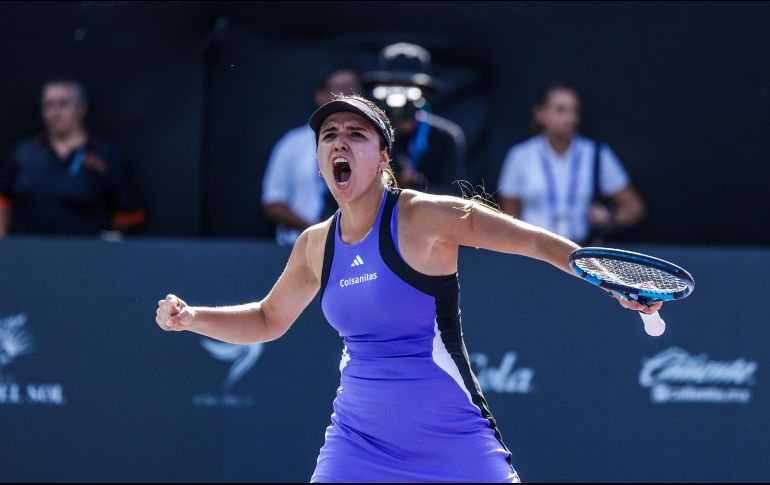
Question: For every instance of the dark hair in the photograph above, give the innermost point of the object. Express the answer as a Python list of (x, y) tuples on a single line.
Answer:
[(541, 99), (80, 91)]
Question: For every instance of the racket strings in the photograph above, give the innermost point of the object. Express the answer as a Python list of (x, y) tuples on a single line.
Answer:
[(632, 275)]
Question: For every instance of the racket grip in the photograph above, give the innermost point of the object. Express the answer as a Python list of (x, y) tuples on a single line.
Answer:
[(653, 324)]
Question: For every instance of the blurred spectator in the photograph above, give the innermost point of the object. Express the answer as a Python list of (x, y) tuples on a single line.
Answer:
[(428, 150), (66, 181), (293, 193), (555, 179)]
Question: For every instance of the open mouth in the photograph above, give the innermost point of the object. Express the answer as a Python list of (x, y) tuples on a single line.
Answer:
[(342, 171)]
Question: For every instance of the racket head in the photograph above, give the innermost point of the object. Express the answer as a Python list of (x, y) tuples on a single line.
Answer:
[(635, 276)]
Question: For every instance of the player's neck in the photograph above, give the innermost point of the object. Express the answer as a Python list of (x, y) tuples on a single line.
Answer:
[(358, 216), (559, 143)]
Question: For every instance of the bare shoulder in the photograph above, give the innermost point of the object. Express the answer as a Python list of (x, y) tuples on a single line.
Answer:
[(312, 243), (316, 234), (430, 210)]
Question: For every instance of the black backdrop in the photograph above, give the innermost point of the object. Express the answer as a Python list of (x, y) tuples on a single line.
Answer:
[(196, 94)]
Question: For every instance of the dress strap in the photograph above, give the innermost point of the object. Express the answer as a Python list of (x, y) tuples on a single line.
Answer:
[(431, 285), (328, 253)]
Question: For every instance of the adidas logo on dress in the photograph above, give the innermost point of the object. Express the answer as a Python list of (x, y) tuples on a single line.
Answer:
[(357, 262)]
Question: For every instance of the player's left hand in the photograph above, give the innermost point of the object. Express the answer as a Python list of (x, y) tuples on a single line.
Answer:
[(633, 305)]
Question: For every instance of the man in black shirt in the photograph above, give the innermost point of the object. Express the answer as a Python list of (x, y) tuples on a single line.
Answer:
[(66, 181), (428, 151)]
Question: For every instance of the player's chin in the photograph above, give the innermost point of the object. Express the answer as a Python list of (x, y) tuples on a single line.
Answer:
[(344, 191)]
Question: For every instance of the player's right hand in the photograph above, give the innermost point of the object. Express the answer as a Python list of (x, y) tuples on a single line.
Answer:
[(174, 314)]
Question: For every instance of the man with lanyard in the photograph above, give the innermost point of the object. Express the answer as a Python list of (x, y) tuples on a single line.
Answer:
[(560, 207), (66, 181), (564, 182)]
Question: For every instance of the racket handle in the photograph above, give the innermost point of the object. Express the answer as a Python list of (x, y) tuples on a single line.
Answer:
[(653, 324)]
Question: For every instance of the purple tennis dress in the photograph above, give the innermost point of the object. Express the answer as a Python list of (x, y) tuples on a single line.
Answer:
[(408, 408)]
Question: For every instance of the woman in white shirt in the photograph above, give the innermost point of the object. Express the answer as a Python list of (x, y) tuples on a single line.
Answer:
[(549, 179)]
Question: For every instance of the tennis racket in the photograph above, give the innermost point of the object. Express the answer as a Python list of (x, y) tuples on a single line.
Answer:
[(634, 276)]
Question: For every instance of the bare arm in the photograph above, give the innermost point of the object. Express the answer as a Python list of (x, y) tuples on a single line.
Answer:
[(5, 220), (282, 214), (629, 208), (462, 222), (466, 223), (262, 321)]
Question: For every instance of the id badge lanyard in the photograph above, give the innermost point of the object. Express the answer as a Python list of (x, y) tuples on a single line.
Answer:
[(77, 162), (560, 217)]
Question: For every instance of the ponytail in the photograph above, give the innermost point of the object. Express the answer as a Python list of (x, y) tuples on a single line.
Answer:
[(389, 177)]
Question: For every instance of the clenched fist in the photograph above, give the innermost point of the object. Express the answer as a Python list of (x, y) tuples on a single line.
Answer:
[(174, 314)]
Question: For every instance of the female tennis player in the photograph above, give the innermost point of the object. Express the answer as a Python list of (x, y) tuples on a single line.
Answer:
[(409, 408)]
